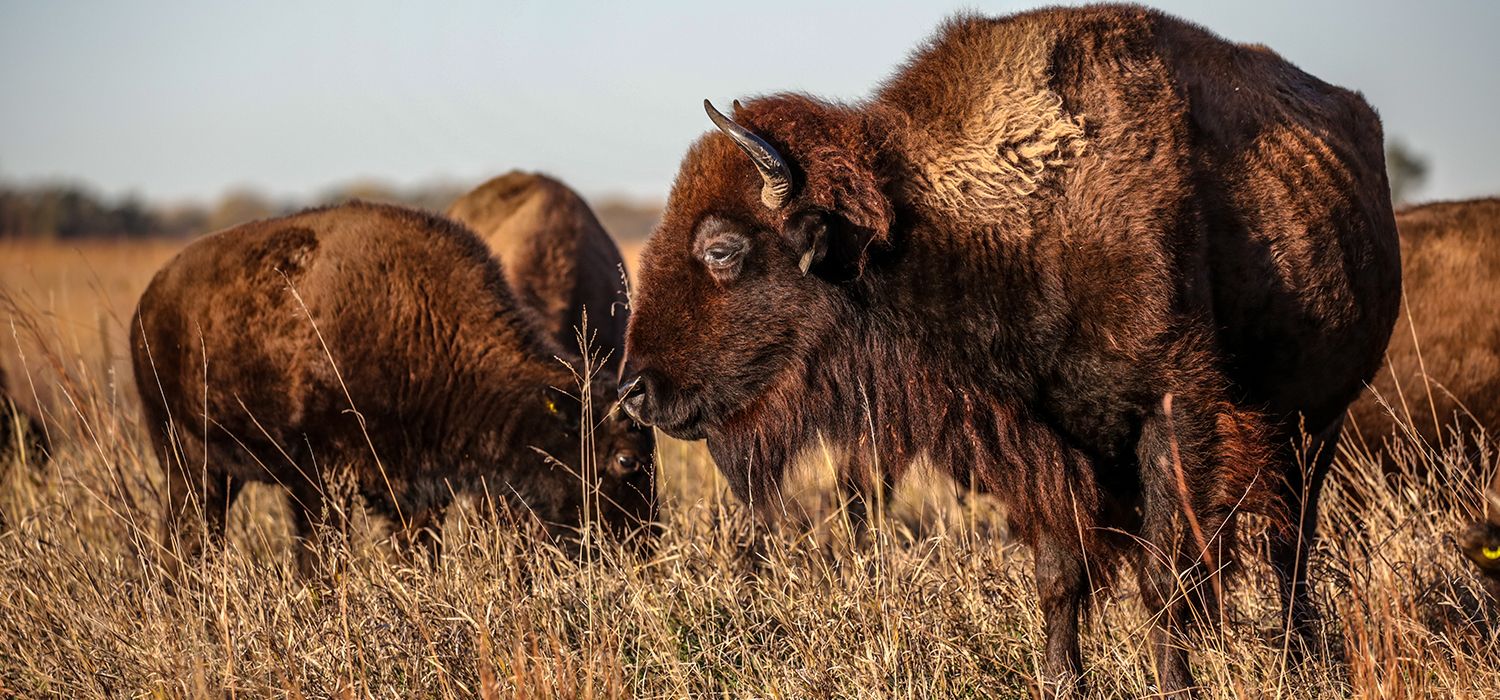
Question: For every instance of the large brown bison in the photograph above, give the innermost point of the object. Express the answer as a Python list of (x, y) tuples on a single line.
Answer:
[(1099, 262), (557, 257), (371, 344), (1443, 364), (562, 265)]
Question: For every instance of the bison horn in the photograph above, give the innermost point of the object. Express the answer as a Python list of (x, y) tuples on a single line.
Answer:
[(773, 168)]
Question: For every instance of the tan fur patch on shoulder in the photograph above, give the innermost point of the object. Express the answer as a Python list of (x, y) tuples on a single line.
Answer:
[(1006, 147)]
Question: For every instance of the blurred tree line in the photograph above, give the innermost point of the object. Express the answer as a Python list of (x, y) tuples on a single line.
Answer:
[(70, 211)]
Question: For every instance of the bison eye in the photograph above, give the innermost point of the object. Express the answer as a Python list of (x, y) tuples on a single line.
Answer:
[(723, 255)]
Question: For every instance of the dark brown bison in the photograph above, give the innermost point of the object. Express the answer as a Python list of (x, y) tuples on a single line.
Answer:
[(557, 257), (1443, 364), (370, 344), (1099, 262)]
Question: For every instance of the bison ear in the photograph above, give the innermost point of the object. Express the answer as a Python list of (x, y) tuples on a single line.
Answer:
[(828, 244), (847, 216), (807, 234)]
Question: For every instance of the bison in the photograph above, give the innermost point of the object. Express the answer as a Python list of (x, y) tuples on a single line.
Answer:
[(1444, 358), (563, 266), (370, 344), (1099, 262), (557, 257)]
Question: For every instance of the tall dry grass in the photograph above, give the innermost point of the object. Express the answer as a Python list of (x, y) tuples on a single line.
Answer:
[(935, 604)]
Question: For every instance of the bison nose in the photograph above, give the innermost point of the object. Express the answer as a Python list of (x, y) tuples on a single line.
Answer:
[(633, 398)]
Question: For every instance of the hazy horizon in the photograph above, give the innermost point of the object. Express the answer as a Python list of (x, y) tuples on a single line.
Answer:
[(176, 101)]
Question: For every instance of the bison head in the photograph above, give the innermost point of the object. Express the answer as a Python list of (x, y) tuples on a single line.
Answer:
[(621, 478), (770, 220)]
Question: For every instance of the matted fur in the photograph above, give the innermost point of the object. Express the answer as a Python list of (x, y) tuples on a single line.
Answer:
[(1007, 139)]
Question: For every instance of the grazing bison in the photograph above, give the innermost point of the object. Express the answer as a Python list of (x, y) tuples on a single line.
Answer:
[(557, 257), (1099, 262), (370, 344), (1444, 359), (562, 265)]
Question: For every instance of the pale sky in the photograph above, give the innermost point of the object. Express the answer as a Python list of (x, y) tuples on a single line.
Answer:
[(172, 99)]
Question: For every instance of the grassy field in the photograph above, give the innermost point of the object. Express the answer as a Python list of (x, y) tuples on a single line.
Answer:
[(936, 604)]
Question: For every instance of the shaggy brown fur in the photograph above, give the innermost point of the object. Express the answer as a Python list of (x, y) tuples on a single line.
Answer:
[(1042, 228), (557, 257), (1449, 327), (364, 343)]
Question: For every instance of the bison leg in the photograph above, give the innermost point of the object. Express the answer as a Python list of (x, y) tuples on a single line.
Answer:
[(1062, 583), (198, 502), (860, 488), (317, 513), (1179, 529), (1290, 547), (424, 533)]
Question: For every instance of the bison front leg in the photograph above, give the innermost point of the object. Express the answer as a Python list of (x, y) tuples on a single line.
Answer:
[(318, 513), (864, 492), (422, 534), (1062, 583), (198, 502)]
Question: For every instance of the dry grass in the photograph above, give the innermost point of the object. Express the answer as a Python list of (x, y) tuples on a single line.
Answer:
[(938, 608)]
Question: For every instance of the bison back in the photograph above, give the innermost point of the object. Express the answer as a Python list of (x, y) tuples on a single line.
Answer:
[(281, 330)]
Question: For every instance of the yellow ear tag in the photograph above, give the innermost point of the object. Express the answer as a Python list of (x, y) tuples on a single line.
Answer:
[(552, 406), (1490, 552)]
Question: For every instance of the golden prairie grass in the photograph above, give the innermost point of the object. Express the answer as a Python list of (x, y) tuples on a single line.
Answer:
[(934, 605)]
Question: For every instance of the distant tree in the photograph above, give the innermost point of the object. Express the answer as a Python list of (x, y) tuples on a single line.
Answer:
[(70, 211), (365, 190), (1406, 170), (182, 220)]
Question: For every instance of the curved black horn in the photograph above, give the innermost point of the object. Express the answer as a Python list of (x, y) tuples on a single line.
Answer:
[(773, 169)]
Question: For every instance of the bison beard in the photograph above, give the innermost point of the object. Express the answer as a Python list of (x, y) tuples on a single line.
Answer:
[(1098, 262)]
